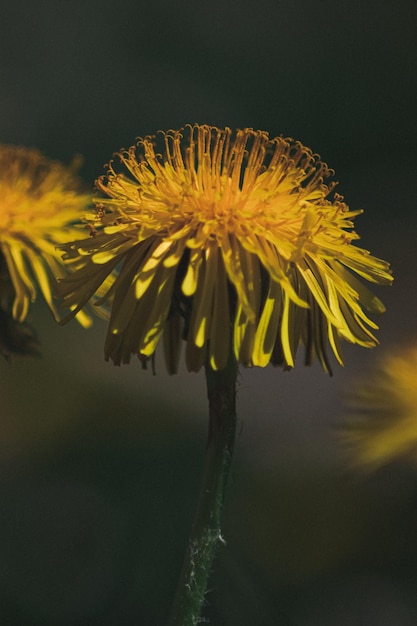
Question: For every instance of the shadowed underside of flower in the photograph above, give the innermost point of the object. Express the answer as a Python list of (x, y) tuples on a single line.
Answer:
[(382, 425), (39, 201), (224, 240)]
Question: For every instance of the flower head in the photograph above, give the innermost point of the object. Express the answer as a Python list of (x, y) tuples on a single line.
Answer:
[(383, 424), (229, 241), (39, 201)]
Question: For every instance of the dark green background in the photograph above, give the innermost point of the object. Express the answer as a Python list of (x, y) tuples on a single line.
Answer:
[(99, 466)]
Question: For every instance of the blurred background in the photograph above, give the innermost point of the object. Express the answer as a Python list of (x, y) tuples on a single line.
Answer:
[(100, 466)]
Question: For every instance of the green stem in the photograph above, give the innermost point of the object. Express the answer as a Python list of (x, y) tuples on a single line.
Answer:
[(206, 532)]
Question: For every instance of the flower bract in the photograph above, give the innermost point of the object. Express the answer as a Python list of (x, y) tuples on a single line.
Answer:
[(231, 241)]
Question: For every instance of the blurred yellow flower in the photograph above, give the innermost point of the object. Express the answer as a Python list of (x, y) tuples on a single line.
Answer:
[(224, 239), (382, 425), (39, 201)]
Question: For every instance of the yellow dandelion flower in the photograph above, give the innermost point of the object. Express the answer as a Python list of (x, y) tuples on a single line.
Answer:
[(224, 239), (39, 201), (383, 424)]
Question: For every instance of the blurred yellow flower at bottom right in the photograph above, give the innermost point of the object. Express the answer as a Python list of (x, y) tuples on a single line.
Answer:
[(382, 424)]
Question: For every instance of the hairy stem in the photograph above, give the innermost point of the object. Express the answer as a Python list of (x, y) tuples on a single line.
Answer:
[(206, 530)]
